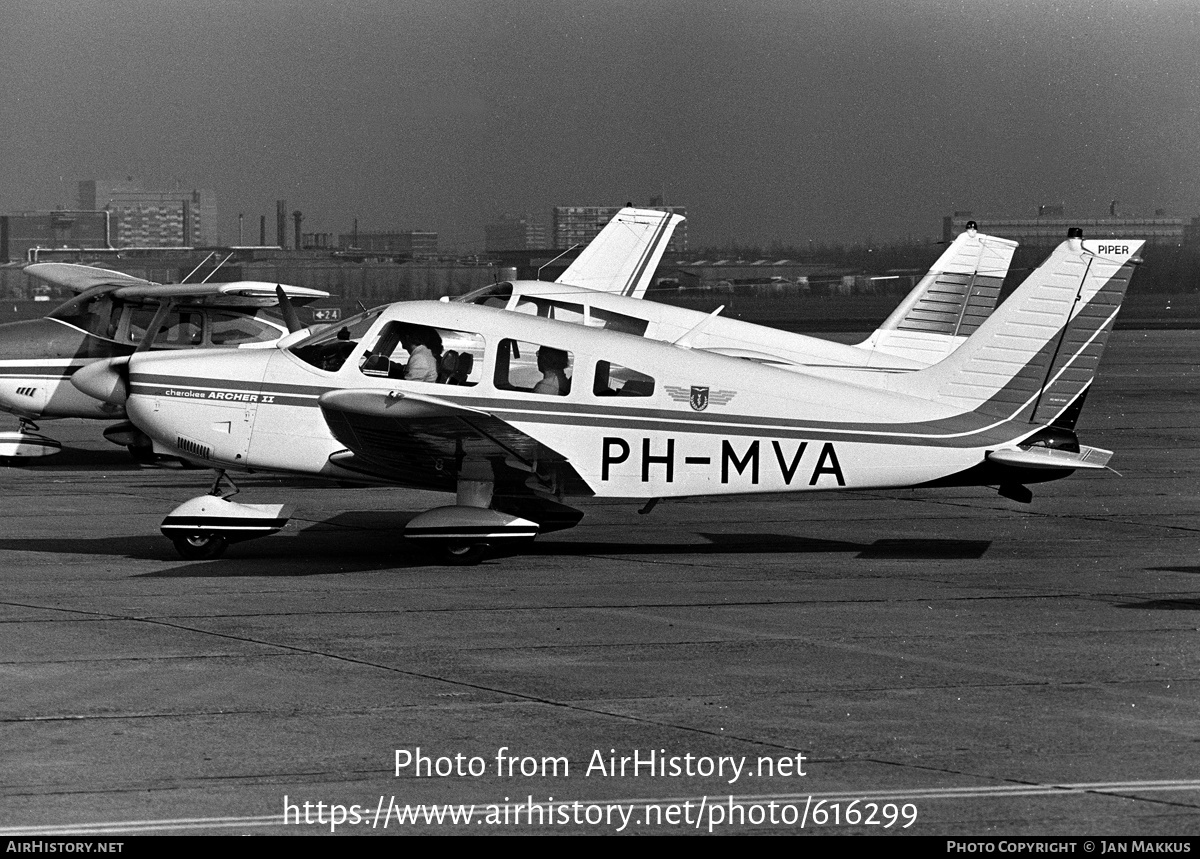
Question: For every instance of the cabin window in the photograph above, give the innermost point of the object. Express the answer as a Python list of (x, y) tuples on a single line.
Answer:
[(593, 317), (422, 353), (233, 329), (610, 321), (614, 380), (179, 328), (562, 311), (533, 368)]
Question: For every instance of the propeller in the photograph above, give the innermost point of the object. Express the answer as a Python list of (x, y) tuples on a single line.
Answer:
[(106, 380), (290, 319)]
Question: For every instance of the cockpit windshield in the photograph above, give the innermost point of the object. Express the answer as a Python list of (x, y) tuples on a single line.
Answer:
[(96, 313), (328, 348)]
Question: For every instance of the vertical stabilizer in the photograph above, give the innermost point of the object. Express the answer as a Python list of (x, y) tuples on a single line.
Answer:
[(623, 257), (1038, 353)]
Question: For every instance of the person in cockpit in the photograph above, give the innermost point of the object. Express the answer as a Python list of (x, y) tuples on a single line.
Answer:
[(424, 347)]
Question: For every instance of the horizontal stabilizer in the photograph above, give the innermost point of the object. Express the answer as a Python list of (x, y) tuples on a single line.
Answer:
[(1052, 458)]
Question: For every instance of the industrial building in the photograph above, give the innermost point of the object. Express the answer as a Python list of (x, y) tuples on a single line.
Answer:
[(578, 225), (149, 217), (21, 232), (515, 233), (1050, 227), (416, 244)]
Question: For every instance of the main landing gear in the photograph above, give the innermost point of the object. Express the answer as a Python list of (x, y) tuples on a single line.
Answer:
[(463, 533)]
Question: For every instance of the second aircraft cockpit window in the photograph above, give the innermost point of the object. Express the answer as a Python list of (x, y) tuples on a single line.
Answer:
[(422, 353), (328, 348)]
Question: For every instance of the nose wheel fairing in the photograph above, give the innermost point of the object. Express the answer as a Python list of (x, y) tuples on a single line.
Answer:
[(202, 527), (21, 444)]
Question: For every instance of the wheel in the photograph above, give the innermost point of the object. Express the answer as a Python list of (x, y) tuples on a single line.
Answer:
[(465, 554), (141, 454), (200, 546)]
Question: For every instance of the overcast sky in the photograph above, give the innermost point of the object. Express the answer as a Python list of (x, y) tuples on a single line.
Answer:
[(770, 120)]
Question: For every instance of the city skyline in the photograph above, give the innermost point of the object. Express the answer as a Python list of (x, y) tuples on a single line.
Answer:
[(769, 121)]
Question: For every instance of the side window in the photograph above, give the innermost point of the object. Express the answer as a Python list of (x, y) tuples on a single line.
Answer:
[(561, 311), (420, 353), (613, 380), (577, 314), (180, 328), (610, 321), (233, 329), (533, 368)]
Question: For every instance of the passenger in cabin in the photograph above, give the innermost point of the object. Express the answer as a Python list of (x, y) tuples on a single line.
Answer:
[(553, 364), (424, 347)]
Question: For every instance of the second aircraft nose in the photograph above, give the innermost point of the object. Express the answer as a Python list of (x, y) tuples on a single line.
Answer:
[(105, 380)]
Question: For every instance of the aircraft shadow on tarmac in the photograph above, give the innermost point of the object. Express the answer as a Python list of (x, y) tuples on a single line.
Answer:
[(74, 459), (370, 551), (1164, 605), (782, 544), (1191, 569), (363, 542)]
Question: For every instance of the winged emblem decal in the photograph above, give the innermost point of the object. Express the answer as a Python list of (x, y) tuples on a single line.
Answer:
[(699, 396)]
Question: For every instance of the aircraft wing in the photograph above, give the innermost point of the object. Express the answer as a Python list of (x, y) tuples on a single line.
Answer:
[(80, 277), (242, 293), (430, 443), (623, 257), (245, 293)]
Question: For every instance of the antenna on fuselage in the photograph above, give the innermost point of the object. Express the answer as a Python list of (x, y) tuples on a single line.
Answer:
[(538, 276), (685, 342)]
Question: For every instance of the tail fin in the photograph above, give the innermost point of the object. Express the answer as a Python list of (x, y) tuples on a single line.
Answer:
[(1035, 357), (623, 257), (951, 301)]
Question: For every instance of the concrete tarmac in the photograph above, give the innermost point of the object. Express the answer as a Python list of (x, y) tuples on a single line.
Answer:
[(936, 662)]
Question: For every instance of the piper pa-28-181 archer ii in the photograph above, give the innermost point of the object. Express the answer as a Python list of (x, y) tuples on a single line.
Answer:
[(609, 414), (117, 314)]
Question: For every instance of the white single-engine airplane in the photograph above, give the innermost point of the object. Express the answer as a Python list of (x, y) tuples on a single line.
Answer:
[(946, 305), (111, 316), (609, 414)]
